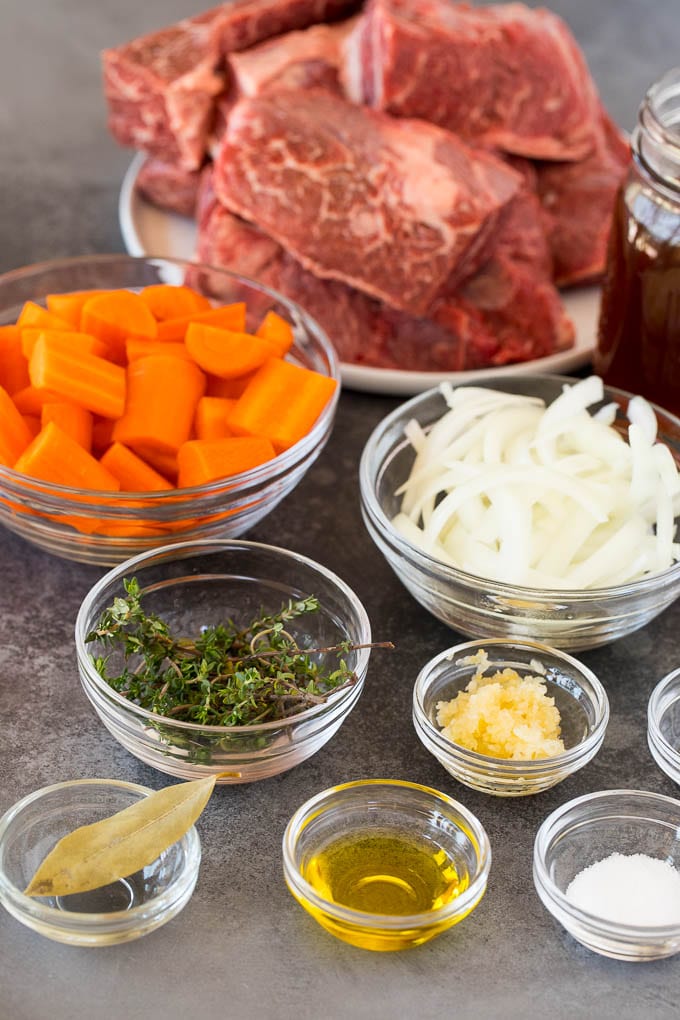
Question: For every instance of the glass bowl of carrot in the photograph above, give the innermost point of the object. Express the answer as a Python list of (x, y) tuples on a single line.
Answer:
[(162, 709), (148, 400)]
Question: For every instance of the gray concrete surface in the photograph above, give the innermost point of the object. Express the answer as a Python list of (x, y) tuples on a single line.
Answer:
[(242, 948)]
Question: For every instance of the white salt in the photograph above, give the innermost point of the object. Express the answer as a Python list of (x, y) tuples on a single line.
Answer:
[(629, 889)]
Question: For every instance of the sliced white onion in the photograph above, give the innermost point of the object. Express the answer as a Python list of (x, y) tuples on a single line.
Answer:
[(508, 489)]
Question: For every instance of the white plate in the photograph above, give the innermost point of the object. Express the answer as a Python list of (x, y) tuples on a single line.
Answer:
[(147, 230)]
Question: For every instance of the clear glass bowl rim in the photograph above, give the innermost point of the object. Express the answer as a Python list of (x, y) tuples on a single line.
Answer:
[(509, 766), (20, 483), (368, 468), (168, 552), (58, 918), (656, 708), (389, 922), (551, 827)]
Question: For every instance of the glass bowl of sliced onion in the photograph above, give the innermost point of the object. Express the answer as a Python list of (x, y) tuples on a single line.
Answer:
[(536, 507)]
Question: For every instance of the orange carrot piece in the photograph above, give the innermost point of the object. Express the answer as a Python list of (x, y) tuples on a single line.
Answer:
[(35, 315), (116, 315), (92, 382), (13, 363), (74, 420), (134, 474), (226, 316), (279, 332), (30, 400), (74, 341), (162, 393), (34, 423), (69, 306), (205, 460), (210, 420), (139, 347), (217, 387), (282, 401), (164, 463), (53, 456), (102, 433), (226, 353), (168, 302), (15, 434)]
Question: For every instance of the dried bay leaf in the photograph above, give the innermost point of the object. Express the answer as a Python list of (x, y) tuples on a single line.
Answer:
[(105, 851)]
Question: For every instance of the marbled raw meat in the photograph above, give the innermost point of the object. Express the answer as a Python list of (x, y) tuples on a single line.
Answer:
[(578, 203), (518, 312), (397, 208), (510, 311), (168, 186), (161, 87), (311, 58), (505, 76)]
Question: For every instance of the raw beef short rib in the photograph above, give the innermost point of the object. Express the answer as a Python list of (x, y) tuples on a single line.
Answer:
[(169, 186), (397, 208), (161, 87), (508, 310), (505, 76), (578, 204)]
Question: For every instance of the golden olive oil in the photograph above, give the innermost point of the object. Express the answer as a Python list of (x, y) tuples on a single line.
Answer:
[(385, 873)]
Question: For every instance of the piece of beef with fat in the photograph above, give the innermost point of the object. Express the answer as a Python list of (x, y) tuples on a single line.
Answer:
[(161, 87), (168, 186), (311, 58), (363, 331), (297, 60), (505, 76), (397, 208), (510, 311), (578, 203), (368, 332)]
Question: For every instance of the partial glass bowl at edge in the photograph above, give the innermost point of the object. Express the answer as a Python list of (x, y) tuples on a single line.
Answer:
[(105, 529), (663, 725), (476, 606)]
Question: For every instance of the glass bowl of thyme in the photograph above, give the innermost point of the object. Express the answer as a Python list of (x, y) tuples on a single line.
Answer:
[(228, 657)]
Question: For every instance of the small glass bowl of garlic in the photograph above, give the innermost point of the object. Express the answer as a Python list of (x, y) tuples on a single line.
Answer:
[(509, 718)]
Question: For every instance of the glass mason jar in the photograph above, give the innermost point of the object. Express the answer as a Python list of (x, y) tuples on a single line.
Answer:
[(639, 331)]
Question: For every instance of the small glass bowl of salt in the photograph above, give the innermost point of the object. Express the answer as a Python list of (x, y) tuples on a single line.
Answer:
[(607, 867)]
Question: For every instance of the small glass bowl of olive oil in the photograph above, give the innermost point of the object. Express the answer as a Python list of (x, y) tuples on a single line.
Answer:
[(385, 864)]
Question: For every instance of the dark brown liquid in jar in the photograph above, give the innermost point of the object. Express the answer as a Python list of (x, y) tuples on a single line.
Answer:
[(639, 330)]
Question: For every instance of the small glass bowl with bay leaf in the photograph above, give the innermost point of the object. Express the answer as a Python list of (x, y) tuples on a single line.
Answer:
[(120, 911), (228, 657)]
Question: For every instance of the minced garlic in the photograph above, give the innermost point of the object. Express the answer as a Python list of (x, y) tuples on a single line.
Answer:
[(503, 715)]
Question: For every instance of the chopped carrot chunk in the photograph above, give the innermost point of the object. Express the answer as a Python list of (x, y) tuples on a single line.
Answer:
[(134, 474), (282, 401), (279, 332), (225, 353), (15, 434), (74, 420), (94, 383), (55, 457), (168, 302), (206, 460)]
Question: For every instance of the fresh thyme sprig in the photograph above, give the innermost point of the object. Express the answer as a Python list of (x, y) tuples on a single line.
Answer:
[(224, 677)]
